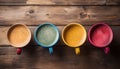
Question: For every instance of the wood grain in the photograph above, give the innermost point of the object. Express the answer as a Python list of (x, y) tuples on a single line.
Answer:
[(52, 2), (59, 2), (4, 42), (59, 15), (59, 12), (113, 2), (35, 57)]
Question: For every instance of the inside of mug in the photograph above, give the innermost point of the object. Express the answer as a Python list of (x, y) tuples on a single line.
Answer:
[(74, 35), (18, 35), (101, 35), (47, 35)]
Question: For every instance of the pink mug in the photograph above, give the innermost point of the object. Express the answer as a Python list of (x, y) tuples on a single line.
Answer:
[(100, 35)]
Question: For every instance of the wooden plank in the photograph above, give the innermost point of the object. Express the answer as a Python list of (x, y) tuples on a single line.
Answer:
[(59, 2), (59, 15), (108, 14), (34, 57), (52, 2), (4, 42), (113, 2)]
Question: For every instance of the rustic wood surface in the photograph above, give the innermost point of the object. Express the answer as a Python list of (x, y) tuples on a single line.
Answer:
[(52, 2), (59, 12), (4, 41), (59, 2), (59, 15)]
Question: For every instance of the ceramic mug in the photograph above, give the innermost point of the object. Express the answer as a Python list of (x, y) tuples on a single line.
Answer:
[(74, 35), (18, 36), (46, 35), (100, 35)]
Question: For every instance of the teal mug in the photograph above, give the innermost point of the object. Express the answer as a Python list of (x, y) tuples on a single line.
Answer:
[(46, 35)]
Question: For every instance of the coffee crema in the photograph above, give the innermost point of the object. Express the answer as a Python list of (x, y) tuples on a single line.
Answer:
[(18, 35)]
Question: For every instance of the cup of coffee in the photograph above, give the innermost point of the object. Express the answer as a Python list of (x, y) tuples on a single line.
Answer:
[(100, 35), (18, 36), (46, 35), (74, 35)]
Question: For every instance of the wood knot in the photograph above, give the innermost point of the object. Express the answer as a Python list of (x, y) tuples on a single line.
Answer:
[(47, 14), (83, 15), (31, 11)]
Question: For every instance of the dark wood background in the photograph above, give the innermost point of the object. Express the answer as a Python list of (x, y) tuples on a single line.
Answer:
[(59, 12)]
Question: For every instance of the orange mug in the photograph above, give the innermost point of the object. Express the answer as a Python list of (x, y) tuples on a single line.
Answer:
[(18, 36), (74, 35)]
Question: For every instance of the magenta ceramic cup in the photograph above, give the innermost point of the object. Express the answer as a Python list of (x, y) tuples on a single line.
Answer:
[(100, 35)]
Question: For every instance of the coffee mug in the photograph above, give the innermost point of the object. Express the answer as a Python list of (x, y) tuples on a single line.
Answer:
[(18, 36), (46, 35), (100, 35), (74, 35)]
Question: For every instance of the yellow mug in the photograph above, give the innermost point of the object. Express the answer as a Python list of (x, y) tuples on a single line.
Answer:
[(74, 35)]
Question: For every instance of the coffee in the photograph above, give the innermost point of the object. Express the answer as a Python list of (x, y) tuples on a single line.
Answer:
[(46, 35), (18, 35)]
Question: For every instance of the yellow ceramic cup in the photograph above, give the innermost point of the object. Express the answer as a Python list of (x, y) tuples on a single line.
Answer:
[(74, 35)]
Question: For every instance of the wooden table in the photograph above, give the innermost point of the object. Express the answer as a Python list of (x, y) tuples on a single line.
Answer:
[(59, 12)]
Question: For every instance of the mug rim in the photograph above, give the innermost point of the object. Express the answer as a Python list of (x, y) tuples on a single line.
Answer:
[(24, 43), (111, 35), (79, 26), (54, 42)]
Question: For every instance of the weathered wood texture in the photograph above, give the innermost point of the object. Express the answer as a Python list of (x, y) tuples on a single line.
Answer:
[(59, 15), (53, 2), (59, 2), (4, 41), (35, 57), (113, 2)]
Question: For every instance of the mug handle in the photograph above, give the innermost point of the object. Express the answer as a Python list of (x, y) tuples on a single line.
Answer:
[(19, 50), (50, 50), (77, 50), (107, 50)]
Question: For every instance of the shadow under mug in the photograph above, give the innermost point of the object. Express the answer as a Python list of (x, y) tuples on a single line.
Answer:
[(46, 35), (74, 35), (19, 36), (100, 35)]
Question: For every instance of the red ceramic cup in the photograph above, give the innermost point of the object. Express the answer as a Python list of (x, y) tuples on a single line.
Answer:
[(100, 35)]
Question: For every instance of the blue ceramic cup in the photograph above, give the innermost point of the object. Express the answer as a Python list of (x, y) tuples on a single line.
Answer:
[(46, 35)]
